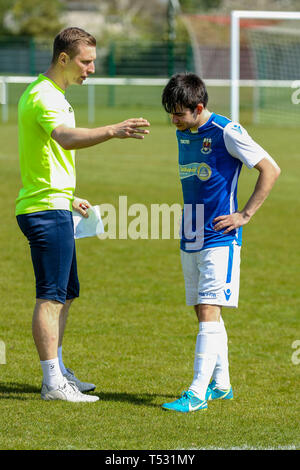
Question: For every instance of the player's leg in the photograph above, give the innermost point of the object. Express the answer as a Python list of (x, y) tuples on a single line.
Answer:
[(66, 371), (221, 377), (73, 289), (63, 320), (211, 281), (62, 326), (190, 401), (51, 237), (68, 290), (206, 353), (229, 275), (45, 327), (45, 331), (207, 347), (72, 292)]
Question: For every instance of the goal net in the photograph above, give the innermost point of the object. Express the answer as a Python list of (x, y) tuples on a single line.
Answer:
[(276, 62), (273, 41), (256, 55)]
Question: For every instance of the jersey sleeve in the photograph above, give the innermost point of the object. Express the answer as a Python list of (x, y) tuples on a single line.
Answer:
[(50, 114), (240, 145)]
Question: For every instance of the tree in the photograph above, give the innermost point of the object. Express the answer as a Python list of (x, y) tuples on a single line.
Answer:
[(139, 18), (199, 6), (36, 18), (4, 7)]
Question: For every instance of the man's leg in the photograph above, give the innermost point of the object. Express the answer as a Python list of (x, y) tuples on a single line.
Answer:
[(45, 327), (221, 375), (66, 372), (45, 331), (51, 237), (63, 320), (212, 274), (207, 347), (221, 371), (206, 353), (48, 327), (62, 325)]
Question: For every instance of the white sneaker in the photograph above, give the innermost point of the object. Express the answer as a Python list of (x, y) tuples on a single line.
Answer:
[(67, 392), (82, 386)]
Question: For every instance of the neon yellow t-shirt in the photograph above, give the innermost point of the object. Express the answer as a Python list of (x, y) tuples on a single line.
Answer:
[(47, 170)]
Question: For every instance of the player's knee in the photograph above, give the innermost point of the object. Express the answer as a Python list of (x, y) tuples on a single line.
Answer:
[(206, 312)]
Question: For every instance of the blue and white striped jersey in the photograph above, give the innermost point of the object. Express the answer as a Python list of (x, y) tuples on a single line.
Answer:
[(210, 161)]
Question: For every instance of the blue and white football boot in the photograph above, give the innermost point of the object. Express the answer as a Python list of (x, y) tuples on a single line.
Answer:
[(187, 403), (82, 386), (214, 393)]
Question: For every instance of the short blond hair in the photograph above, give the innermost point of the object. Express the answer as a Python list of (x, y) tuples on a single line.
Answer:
[(68, 41)]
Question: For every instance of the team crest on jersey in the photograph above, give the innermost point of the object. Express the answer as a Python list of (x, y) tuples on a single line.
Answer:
[(206, 146), (204, 172)]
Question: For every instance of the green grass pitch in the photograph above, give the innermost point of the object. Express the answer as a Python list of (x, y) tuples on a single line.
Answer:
[(131, 333)]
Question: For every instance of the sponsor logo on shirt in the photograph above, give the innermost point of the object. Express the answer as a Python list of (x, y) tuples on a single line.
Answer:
[(201, 170), (204, 172), (184, 141)]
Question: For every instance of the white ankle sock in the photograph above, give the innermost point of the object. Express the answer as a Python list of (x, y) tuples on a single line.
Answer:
[(221, 371), (52, 375), (206, 352), (61, 363)]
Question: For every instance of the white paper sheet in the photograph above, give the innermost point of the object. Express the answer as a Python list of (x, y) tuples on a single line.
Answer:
[(90, 226)]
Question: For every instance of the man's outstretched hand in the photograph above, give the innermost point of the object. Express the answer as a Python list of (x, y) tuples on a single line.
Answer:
[(131, 128)]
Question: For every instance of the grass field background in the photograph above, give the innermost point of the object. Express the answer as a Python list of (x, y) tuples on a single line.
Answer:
[(131, 333)]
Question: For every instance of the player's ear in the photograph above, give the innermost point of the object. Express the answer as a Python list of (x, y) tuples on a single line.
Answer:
[(199, 108), (63, 58)]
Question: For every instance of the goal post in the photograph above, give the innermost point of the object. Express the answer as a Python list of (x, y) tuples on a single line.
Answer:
[(236, 16)]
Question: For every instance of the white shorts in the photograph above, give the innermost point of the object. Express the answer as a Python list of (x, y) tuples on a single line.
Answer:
[(212, 276)]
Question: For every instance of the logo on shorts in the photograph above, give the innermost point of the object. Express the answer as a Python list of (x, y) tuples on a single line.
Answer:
[(204, 172), (227, 294), (206, 146), (210, 295)]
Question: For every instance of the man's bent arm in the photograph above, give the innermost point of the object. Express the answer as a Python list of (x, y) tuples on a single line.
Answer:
[(268, 174), (77, 138)]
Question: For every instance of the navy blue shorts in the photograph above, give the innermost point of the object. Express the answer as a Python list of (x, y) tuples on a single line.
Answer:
[(51, 239)]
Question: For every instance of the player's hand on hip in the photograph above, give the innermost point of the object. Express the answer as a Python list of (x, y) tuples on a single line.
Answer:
[(81, 206), (226, 223), (131, 128)]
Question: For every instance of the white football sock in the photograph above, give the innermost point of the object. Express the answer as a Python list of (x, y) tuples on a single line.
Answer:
[(221, 371), (52, 375), (206, 352), (61, 362)]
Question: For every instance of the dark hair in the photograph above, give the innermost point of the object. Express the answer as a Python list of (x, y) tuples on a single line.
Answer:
[(184, 90), (68, 41)]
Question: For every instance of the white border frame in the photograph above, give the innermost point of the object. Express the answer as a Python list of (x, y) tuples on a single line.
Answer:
[(236, 15)]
